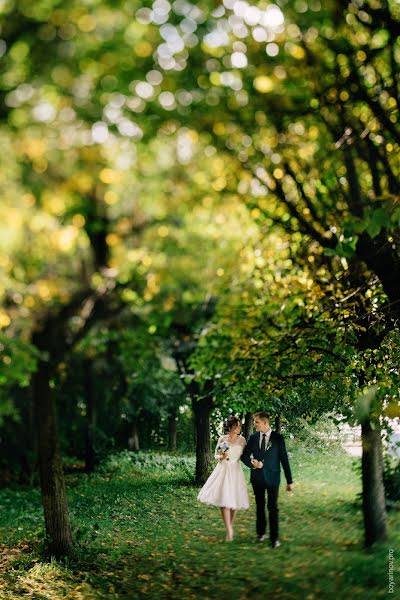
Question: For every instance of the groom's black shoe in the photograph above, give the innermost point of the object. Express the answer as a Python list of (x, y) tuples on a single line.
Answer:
[(276, 544)]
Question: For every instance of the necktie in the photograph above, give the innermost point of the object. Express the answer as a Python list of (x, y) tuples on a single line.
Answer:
[(263, 443)]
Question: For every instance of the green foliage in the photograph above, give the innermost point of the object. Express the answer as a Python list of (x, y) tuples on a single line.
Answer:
[(18, 362), (158, 162), (124, 462), (363, 407), (323, 434)]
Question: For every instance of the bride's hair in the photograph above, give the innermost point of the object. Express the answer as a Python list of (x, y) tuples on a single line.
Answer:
[(229, 423)]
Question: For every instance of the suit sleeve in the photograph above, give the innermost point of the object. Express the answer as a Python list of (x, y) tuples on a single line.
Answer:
[(283, 457), (245, 457)]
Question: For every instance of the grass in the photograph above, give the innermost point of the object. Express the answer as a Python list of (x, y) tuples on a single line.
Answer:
[(141, 533)]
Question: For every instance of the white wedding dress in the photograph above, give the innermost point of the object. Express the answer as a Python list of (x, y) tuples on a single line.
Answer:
[(226, 485)]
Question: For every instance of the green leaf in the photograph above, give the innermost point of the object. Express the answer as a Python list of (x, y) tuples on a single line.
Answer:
[(379, 219)]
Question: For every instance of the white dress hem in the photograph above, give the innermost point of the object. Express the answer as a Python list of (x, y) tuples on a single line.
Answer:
[(226, 487)]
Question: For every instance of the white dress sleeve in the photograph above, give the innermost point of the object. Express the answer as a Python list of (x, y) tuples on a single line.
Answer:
[(242, 443), (220, 439)]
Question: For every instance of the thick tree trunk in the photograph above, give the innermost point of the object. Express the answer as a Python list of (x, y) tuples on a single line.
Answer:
[(90, 450), (248, 425), (57, 523), (172, 422), (278, 423), (373, 492), (201, 413), (133, 441), (53, 337)]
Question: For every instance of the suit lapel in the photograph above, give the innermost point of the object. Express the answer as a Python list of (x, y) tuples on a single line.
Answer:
[(256, 439), (271, 439)]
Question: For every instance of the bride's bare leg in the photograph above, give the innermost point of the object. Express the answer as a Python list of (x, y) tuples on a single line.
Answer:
[(232, 512), (226, 515)]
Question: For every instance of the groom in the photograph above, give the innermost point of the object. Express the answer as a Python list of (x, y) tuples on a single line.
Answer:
[(264, 452)]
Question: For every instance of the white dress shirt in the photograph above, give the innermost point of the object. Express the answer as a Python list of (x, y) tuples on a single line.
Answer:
[(267, 436)]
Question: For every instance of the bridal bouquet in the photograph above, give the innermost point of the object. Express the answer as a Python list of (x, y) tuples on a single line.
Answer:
[(223, 447)]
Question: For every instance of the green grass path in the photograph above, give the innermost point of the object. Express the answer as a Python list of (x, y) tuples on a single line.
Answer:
[(142, 534)]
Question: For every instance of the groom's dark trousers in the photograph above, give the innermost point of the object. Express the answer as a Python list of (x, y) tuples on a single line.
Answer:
[(273, 510), (267, 479)]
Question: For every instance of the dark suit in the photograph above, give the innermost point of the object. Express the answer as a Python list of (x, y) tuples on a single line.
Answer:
[(268, 478)]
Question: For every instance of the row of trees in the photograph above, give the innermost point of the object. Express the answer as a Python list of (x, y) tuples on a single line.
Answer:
[(209, 188), (324, 144)]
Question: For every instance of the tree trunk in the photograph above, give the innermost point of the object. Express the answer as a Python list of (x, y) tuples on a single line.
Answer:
[(172, 422), (90, 451), (57, 523), (201, 411), (133, 441), (278, 423), (248, 425), (373, 492), (32, 463)]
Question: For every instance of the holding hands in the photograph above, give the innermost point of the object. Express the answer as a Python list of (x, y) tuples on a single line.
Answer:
[(257, 464)]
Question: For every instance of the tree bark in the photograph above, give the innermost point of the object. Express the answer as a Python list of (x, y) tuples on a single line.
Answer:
[(133, 442), (382, 259), (58, 528), (248, 425), (201, 412), (373, 492), (172, 422), (53, 337), (90, 450)]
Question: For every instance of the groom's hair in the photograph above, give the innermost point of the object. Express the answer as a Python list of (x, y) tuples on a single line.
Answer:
[(264, 416)]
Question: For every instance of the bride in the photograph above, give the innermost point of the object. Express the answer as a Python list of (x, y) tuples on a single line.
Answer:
[(226, 487)]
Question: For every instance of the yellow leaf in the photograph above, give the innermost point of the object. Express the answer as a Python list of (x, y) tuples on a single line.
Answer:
[(392, 410)]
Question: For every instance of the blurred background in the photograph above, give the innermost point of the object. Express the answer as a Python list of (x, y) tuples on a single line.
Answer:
[(199, 217)]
